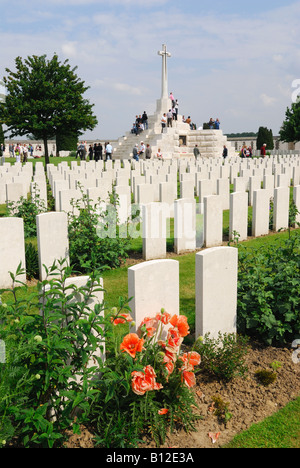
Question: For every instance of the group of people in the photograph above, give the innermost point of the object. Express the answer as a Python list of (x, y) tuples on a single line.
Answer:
[(246, 152), (141, 152), (172, 114), (140, 124), (214, 124), (95, 152), (20, 151)]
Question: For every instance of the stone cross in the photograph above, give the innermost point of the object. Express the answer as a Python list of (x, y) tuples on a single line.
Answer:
[(165, 55)]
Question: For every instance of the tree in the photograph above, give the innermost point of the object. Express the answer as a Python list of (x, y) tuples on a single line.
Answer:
[(66, 142), (45, 98), (265, 136), (290, 130)]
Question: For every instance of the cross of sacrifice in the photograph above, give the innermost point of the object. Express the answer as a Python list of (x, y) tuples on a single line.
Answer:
[(165, 55)]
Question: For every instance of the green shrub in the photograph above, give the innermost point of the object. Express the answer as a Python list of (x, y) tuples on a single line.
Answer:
[(224, 356), (49, 340), (94, 240), (269, 291)]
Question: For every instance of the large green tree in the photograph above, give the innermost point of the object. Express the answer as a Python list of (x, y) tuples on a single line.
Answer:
[(44, 98), (265, 136), (290, 130)]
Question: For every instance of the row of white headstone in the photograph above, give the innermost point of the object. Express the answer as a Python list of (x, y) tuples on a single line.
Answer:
[(154, 187), (152, 285)]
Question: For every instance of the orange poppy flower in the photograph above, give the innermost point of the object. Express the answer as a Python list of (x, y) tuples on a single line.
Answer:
[(164, 318), (150, 324), (180, 322), (174, 341), (122, 318), (132, 344), (189, 378), (143, 382), (163, 411), (191, 359)]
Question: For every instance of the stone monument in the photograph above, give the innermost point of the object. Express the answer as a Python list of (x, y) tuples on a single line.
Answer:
[(176, 141), (164, 103)]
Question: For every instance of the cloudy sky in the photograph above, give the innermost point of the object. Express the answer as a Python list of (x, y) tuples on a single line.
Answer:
[(235, 60)]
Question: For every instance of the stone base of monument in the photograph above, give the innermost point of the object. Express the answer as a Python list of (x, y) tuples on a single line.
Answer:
[(174, 142), (177, 141)]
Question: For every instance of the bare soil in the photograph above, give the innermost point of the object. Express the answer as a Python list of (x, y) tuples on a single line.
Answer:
[(248, 401)]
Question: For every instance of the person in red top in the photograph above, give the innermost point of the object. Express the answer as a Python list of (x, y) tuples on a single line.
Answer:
[(263, 150)]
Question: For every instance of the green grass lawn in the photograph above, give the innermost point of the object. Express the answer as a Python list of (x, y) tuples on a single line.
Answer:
[(52, 160), (281, 430)]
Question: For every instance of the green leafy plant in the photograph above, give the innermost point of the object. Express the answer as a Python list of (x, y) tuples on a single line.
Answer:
[(32, 261), (269, 291), (52, 343), (223, 356), (222, 409), (265, 377), (94, 240)]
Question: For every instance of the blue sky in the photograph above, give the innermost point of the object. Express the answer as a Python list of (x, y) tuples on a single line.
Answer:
[(235, 60)]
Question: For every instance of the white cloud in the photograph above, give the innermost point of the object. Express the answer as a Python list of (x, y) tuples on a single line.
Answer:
[(267, 100), (221, 64), (69, 49)]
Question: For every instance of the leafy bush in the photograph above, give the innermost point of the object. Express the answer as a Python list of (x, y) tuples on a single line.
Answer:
[(94, 240), (224, 356), (50, 339), (269, 291)]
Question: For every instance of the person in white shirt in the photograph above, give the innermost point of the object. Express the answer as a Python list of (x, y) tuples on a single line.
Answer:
[(163, 122), (170, 118), (142, 149), (25, 153), (108, 151)]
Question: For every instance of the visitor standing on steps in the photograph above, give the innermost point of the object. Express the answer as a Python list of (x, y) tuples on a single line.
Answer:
[(148, 152), (172, 99), (145, 120), (135, 153), (142, 150), (163, 122)]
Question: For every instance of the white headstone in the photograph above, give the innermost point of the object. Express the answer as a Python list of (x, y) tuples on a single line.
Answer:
[(52, 240), (238, 217), (213, 221), (296, 198), (184, 225), (154, 221), (281, 208), (152, 286), (216, 291), (260, 213), (12, 250)]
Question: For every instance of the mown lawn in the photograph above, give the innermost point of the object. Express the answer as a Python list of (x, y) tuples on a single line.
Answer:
[(281, 430)]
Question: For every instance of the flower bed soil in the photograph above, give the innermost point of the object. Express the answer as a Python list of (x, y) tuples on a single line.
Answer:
[(248, 402)]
